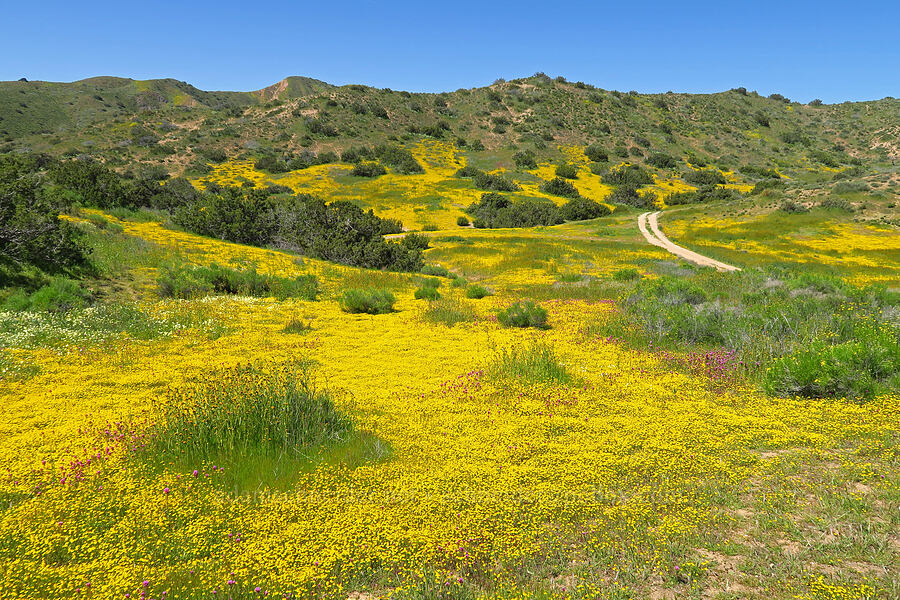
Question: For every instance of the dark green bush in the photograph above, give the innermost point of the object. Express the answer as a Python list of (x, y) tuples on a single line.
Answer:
[(427, 293), (596, 153), (662, 161), (494, 210), (628, 175), (462, 221), (373, 302), (368, 169), (559, 187), (566, 171), (628, 194), (415, 241), (477, 292), (497, 183), (626, 274), (525, 159), (60, 295), (191, 281), (581, 209), (523, 313), (435, 271)]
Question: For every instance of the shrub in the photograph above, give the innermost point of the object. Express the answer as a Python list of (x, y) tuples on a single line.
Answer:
[(566, 171), (468, 171), (559, 187), (435, 271), (477, 292), (497, 183), (399, 159), (628, 194), (850, 187), (856, 369), (372, 302), (525, 159), (368, 169), (535, 363), (662, 161), (523, 313), (628, 175), (792, 207), (596, 154), (191, 281), (494, 210), (832, 203), (462, 221), (580, 209), (427, 293), (270, 410), (415, 241), (626, 274), (449, 312), (60, 295)]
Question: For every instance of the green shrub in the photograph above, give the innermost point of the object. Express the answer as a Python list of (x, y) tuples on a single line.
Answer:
[(662, 161), (566, 171), (596, 154), (477, 292), (559, 187), (792, 207), (523, 313), (368, 169), (535, 363), (581, 208), (427, 292), (495, 183), (449, 312), (462, 221), (459, 282), (60, 295), (435, 271), (525, 159), (373, 302), (850, 187), (415, 241), (269, 410), (857, 369), (832, 203), (628, 175), (626, 274), (191, 281)]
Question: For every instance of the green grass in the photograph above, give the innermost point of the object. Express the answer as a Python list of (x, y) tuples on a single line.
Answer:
[(263, 424), (529, 364), (373, 302), (449, 311), (523, 313), (183, 280)]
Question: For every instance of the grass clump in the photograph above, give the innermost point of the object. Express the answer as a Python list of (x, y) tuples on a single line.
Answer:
[(296, 325), (459, 282), (190, 281), (534, 363), (449, 312), (427, 293), (477, 292), (626, 274), (523, 313), (371, 302), (247, 408), (60, 295), (435, 271)]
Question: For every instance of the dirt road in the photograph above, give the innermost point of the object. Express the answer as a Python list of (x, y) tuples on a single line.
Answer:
[(656, 237)]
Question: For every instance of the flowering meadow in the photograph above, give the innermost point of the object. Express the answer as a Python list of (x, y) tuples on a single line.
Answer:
[(619, 472)]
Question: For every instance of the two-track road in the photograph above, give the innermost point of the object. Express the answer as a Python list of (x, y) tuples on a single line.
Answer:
[(655, 236)]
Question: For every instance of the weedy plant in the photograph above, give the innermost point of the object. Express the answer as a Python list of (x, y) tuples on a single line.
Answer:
[(449, 312), (530, 364), (372, 302), (523, 313)]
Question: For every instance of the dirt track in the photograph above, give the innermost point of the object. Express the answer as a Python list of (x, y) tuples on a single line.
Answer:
[(656, 237)]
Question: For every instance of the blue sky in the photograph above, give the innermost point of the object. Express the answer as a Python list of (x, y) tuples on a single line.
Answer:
[(835, 51)]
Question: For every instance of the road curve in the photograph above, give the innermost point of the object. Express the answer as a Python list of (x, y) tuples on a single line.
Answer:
[(655, 236)]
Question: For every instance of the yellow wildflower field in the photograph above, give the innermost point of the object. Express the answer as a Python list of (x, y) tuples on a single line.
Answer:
[(631, 480)]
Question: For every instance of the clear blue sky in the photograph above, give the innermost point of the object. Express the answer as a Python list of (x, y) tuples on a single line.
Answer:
[(835, 51)]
